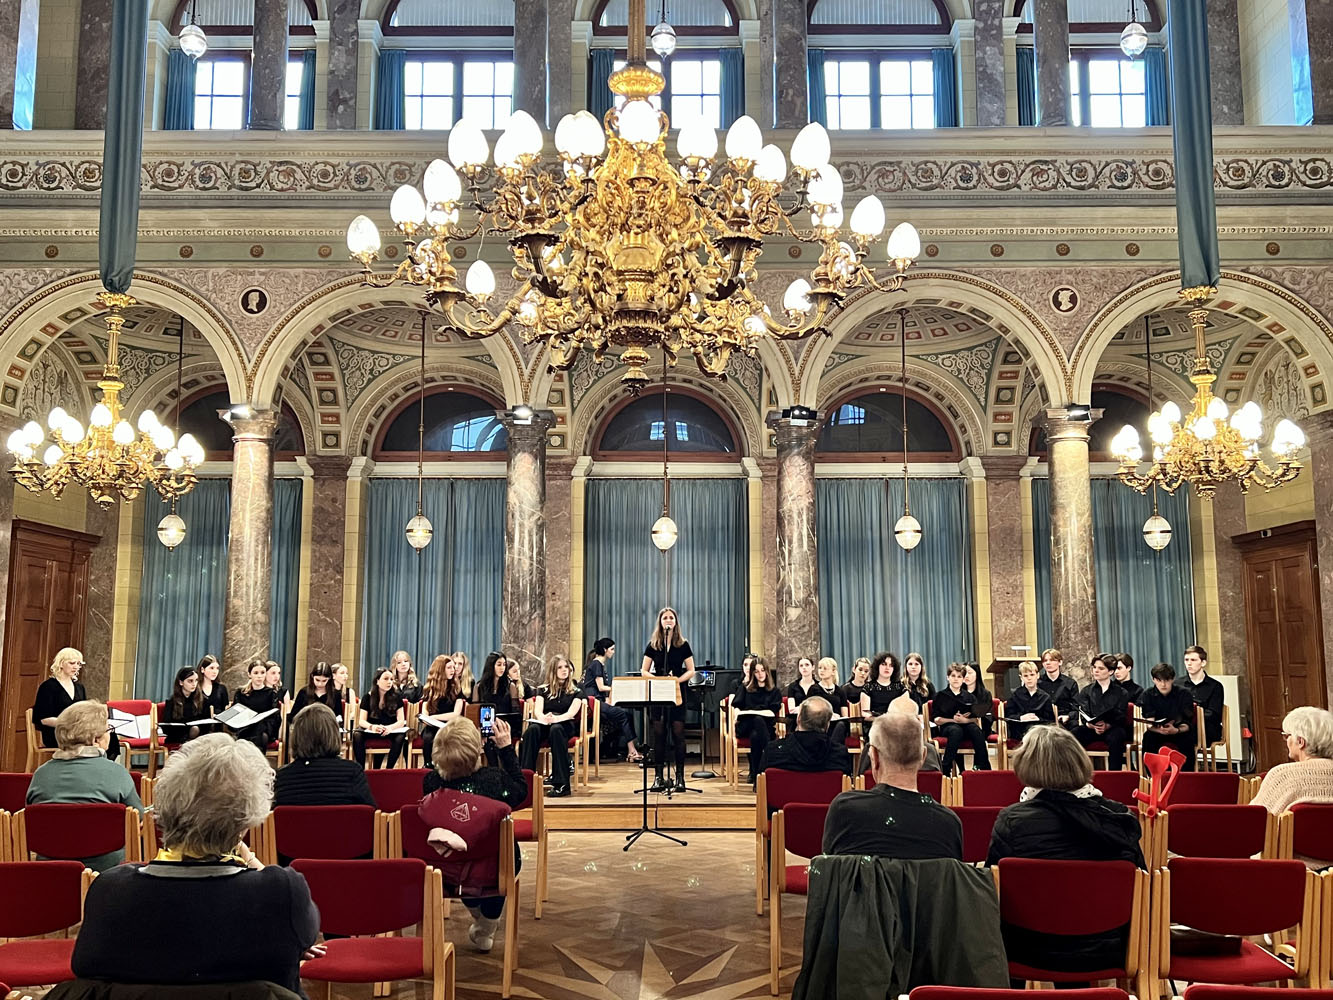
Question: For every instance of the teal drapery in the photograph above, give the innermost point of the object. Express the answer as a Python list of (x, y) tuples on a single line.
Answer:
[(1026, 66), (872, 594), (705, 576), (180, 91), (1158, 90), (122, 149), (284, 578), (600, 64), (733, 85), (1192, 134), (306, 113), (1145, 599), (946, 88), (390, 105), (814, 61), (460, 572), (182, 593)]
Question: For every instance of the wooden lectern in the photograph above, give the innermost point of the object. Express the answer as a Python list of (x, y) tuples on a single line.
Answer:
[(999, 669)]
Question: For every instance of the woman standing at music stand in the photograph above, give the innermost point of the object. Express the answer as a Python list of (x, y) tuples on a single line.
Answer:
[(668, 654)]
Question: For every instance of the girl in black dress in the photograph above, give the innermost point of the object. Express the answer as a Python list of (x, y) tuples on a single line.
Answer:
[(757, 705), (58, 692), (259, 697), (342, 683), (381, 709), (404, 677), (273, 678), (597, 684), (319, 690), (799, 689), (442, 700), (502, 688), (668, 655), (184, 707), (826, 671), (856, 691), (914, 679), (983, 705), (214, 693), (463, 671), (884, 685), (555, 721)]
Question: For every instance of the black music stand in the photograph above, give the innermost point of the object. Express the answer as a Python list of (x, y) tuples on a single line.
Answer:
[(704, 679), (641, 698)]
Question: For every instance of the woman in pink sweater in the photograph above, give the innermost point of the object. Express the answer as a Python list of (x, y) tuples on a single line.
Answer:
[(1309, 776)]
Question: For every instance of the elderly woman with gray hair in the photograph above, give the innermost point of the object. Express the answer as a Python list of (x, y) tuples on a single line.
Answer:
[(1308, 776), (261, 920)]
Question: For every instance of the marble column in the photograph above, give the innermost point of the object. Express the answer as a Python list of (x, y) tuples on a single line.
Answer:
[(797, 545), (344, 42), (1318, 40), (1319, 433), (328, 499), (768, 555), (1004, 519), (791, 82), (1073, 581), (988, 54), (18, 64), (268, 66), (1224, 71), (530, 58), (1228, 522), (767, 63), (94, 62), (245, 630), (8, 424), (559, 546), (559, 63), (1050, 39), (101, 610), (523, 605)]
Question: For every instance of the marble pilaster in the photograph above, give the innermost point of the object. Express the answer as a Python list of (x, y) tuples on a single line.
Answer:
[(768, 554), (328, 538), (559, 64), (530, 58), (1073, 580), (560, 553), (344, 42), (988, 55), (797, 544), (791, 82), (1050, 39), (268, 66), (245, 630), (1228, 522), (767, 64), (523, 602), (1319, 41), (1004, 519), (94, 62), (18, 64), (1319, 433), (1224, 69), (101, 609)]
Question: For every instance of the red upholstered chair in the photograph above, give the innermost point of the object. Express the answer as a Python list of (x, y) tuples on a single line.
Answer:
[(336, 833), (1307, 832), (361, 900), (14, 790), (798, 828), (973, 993), (1240, 898), (773, 790), (1117, 785), (68, 832), (1211, 831), (978, 822), (1221, 788), (1040, 897), (989, 788), (1253, 993), (530, 828), (394, 788), (41, 898), (927, 783), (148, 747)]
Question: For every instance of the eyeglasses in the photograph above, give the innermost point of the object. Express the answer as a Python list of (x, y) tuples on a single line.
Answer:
[(77, 663)]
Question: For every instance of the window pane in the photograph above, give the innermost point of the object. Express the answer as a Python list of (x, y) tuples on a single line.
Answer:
[(480, 111), (1073, 77), (895, 77), (895, 112), (1131, 76), (228, 112), (437, 78), (712, 111), (923, 77), (854, 78), (1103, 76), (712, 76), (295, 69), (229, 76), (437, 112), (504, 78), (1105, 110), (203, 77), (855, 112), (1133, 112), (923, 112), (686, 76), (412, 77), (478, 78), (202, 107), (291, 113), (412, 112)]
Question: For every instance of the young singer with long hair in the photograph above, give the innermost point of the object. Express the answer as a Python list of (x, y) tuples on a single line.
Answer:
[(668, 654)]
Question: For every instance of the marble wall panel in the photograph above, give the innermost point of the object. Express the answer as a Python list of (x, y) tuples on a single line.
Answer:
[(530, 58), (327, 550), (344, 44), (94, 63), (559, 557), (797, 545), (1004, 517), (988, 53), (523, 598), (1319, 432), (1073, 580), (96, 674), (1050, 39), (1224, 64)]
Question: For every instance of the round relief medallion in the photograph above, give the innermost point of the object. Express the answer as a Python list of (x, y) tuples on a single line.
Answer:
[(997, 249), (391, 251), (794, 251), (932, 250), (1132, 249), (1062, 249), (254, 301), (1064, 299), (52, 251), (325, 251), (186, 252), (1273, 249), (257, 250), (460, 252)]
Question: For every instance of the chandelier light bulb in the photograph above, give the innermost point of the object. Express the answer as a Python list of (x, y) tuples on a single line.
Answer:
[(1287, 438), (17, 443), (407, 208), (72, 432), (591, 135), (1217, 409), (744, 140), (164, 439), (526, 132), (640, 123), (810, 149), (664, 39), (467, 145), (52, 455), (193, 41), (191, 449), (174, 460), (33, 432), (907, 532), (771, 165), (1133, 40), (171, 530), (480, 279), (1171, 412), (797, 297), (101, 416), (57, 418), (148, 422), (1205, 429), (829, 218), (904, 242), (441, 184), (566, 137), (419, 532), (825, 186), (664, 533), (363, 236), (754, 325), (868, 218), (123, 433), (1158, 429), (1157, 532), (696, 140)]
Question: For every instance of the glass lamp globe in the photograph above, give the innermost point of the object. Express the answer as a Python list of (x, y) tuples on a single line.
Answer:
[(907, 532), (419, 532), (1133, 40), (664, 39), (664, 533), (1157, 532), (171, 530), (193, 41)]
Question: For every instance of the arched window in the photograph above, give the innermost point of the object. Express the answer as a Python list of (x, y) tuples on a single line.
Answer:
[(688, 17), (868, 426), (452, 17), (199, 416), (1120, 405), (693, 429), (237, 17), (458, 424)]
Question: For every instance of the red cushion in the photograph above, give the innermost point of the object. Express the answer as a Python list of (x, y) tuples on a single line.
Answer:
[(1017, 970), (367, 960), (1252, 965), (523, 831), (134, 743), (798, 879), (743, 742), (36, 963)]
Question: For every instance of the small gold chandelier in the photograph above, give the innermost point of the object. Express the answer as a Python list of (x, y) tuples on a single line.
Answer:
[(108, 458), (620, 249), (1209, 446)]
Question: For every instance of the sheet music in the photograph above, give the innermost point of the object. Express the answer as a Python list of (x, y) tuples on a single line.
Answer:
[(135, 727), (629, 689), (239, 717)]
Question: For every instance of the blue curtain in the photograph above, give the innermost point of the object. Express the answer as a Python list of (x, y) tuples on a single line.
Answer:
[(390, 105), (733, 85), (946, 88), (182, 595), (459, 573), (1027, 85), (705, 576), (284, 580), (600, 64), (872, 594), (1145, 599), (814, 61), (1158, 101), (180, 91), (306, 113)]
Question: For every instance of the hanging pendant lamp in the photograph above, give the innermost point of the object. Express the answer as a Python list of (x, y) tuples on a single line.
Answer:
[(171, 529), (1157, 529), (419, 531), (664, 531), (1134, 39), (907, 531)]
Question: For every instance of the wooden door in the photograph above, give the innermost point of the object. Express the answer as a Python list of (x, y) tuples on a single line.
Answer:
[(1284, 634), (45, 610)]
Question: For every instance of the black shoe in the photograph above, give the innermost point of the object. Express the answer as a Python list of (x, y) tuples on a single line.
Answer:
[(680, 782), (559, 792), (752, 778), (659, 784)]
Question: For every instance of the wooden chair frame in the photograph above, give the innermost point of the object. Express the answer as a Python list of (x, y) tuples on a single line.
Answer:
[(1157, 837), (777, 879), (37, 754), (1205, 753), (18, 836), (762, 832), (86, 881), (590, 734), (541, 836), (268, 839), (1322, 977), (1286, 838), (278, 753)]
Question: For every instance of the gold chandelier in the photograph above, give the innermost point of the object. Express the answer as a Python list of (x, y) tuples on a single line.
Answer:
[(618, 248), (1210, 445), (108, 458)]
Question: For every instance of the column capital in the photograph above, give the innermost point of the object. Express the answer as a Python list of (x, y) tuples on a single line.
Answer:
[(796, 425), (329, 466), (1068, 423), (251, 425), (528, 426), (1003, 466)]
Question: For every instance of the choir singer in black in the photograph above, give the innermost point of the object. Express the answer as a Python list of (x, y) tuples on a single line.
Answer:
[(1169, 712), (668, 654)]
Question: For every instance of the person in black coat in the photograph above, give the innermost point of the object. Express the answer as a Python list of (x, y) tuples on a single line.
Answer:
[(1028, 706), (1123, 674), (57, 693), (1170, 709), (757, 706), (1103, 713), (1207, 692), (953, 711), (319, 775), (809, 747), (1062, 688)]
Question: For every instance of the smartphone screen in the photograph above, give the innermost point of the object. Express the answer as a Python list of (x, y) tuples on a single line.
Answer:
[(487, 721)]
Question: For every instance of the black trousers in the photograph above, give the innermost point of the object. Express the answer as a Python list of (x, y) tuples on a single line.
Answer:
[(618, 720), (674, 714), (1184, 742), (956, 735), (759, 731), (558, 735), (1115, 739), (396, 742)]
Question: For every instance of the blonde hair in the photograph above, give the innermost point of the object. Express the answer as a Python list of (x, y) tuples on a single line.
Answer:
[(553, 684), (411, 674), (210, 792), (1313, 725), (465, 679), (68, 653), (1027, 665), (456, 749), (81, 725), (1050, 757), (826, 663)]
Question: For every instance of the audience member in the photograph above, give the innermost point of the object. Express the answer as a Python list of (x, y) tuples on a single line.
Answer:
[(554, 722), (1123, 673), (381, 716), (405, 678), (1027, 706), (953, 710), (80, 772), (1169, 712), (914, 680), (1308, 777), (810, 747), (1103, 713), (597, 684), (319, 775), (259, 697), (756, 706), (1063, 689), (57, 693), (904, 705), (262, 921), (893, 819), (1206, 691), (182, 712)]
